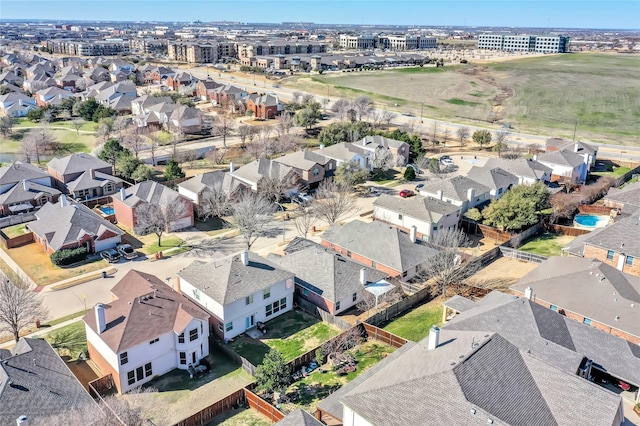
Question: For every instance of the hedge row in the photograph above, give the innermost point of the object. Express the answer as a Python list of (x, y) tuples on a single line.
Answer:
[(68, 256)]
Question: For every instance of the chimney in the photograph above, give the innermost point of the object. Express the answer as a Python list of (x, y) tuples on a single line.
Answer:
[(434, 338), (245, 257), (364, 141), (439, 194), (92, 173), (63, 200), (123, 194), (528, 293), (321, 146), (471, 194), (412, 233), (576, 147), (363, 276), (232, 167), (22, 421), (25, 185), (535, 157), (101, 322)]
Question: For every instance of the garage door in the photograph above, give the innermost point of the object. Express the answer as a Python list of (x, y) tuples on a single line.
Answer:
[(106, 244)]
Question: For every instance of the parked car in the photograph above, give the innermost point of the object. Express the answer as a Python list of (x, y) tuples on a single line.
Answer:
[(405, 193), (304, 198), (126, 251), (445, 159), (418, 186), (110, 255), (415, 168)]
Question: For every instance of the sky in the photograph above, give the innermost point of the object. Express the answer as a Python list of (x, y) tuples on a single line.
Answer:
[(621, 14)]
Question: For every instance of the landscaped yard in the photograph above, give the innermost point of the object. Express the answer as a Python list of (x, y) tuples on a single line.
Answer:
[(148, 244), (240, 417), (15, 230), (546, 244), (293, 334), (68, 340), (415, 324), (36, 263)]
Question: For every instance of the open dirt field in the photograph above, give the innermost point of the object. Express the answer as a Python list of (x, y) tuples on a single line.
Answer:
[(501, 274), (538, 94)]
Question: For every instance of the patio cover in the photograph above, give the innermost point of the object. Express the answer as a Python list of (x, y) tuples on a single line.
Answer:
[(379, 288), (20, 207)]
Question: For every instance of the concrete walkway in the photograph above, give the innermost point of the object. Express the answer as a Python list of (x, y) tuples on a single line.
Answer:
[(41, 332)]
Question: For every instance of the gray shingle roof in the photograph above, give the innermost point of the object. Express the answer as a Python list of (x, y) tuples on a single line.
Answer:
[(19, 171), (35, 382), (567, 145), (226, 280), (630, 194), (252, 173), (519, 321), (75, 163), (86, 181), (343, 151), (65, 225), (299, 418), (589, 288), (151, 192), (561, 158), (303, 160), (383, 142), (19, 194), (382, 243), (426, 209), (459, 303), (455, 188), (493, 178), (201, 181), (323, 271), (621, 237)]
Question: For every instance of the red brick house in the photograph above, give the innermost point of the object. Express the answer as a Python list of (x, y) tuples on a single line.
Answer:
[(265, 107)]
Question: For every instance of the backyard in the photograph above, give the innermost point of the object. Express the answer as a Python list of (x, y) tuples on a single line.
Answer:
[(415, 324), (240, 417), (15, 230), (293, 334), (547, 244)]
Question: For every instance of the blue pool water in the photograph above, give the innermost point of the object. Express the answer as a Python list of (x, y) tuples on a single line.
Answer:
[(591, 220), (107, 210)]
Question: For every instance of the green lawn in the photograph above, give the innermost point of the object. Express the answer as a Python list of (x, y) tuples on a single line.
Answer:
[(293, 334), (616, 172), (415, 324), (167, 242), (69, 140), (15, 230), (546, 244), (241, 417), (69, 340)]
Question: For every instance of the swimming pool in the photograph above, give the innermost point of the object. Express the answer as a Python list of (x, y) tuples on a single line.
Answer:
[(591, 221), (108, 210)]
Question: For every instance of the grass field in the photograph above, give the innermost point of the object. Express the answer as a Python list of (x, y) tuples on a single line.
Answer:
[(544, 94), (546, 244), (15, 230), (69, 140), (415, 325)]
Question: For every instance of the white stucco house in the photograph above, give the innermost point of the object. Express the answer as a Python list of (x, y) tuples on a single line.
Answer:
[(147, 331), (347, 152), (238, 291), (459, 191)]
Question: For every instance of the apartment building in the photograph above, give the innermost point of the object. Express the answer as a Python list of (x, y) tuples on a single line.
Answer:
[(391, 42), (193, 52), (88, 48), (148, 45), (524, 43), (359, 42), (251, 49)]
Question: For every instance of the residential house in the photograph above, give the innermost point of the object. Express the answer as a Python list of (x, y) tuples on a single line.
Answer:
[(624, 199), (239, 291), (24, 187), (185, 119), (566, 166), (67, 81), (466, 378), (422, 217), (140, 105), (179, 80), (67, 169), (68, 225), (459, 191), (218, 180), (39, 69), (122, 66), (380, 246), (399, 149), (159, 75), (51, 96), (206, 89), (108, 95), (147, 331), (346, 152), (264, 107), (129, 200), (228, 96), (587, 151), (528, 170), (16, 104), (616, 245), (97, 74), (309, 165), (555, 339), (38, 82), (299, 417), (10, 77), (118, 76), (498, 181), (327, 279), (37, 385), (588, 291), (94, 184), (256, 173)]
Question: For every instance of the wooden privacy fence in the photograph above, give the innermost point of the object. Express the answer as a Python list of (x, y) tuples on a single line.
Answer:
[(383, 336), (245, 363), (18, 241), (565, 230), (591, 209), (102, 386), (16, 219), (262, 406), (319, 313), (522, 255), (205, 415)]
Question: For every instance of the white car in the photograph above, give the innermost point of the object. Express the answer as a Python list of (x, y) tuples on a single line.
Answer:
[(126, 251)]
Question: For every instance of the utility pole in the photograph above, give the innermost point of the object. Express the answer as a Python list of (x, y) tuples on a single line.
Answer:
[(421, 110), (574, 130)]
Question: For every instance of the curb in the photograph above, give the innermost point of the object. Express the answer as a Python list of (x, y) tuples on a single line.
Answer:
[(83, 280)]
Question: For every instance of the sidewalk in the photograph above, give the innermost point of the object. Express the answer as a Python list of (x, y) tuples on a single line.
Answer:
[(40, 332)]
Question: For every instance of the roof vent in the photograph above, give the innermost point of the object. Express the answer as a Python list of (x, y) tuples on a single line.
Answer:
[(473, 410), (489, 421), (617, 318)]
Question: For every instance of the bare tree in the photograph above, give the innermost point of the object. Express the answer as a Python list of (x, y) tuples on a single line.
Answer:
[(435, 128), (245, 132), (446, 266), (132, 140), (6, 126), (368, 300), (333, 202), (223, 125), (216, 155), (513, 152), (38, 141), (252, 215), (341, 107), (502, 139), (105, 128), (296, 97), (275, 188), (19, 306), (215, 202), (462, 133), (288, 143), (121, 124), (177, 136), (307, 99), (157, 219), (77, 124), (304, 220), (363, 105), (409, 127), (445, 136), (153, 143), (285, 123), (386, 118), (383, 159), (344, 342)]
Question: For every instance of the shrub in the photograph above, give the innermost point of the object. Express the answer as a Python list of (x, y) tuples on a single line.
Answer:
[(68, 256), (409, 174)]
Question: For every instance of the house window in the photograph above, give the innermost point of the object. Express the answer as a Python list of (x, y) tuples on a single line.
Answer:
[(629, 261), (196, 293), (220, 327), (404, 274), (147, 370), (124, 358), (131, 377), (83, 193), (610, 255), (183, 358), (586, 321), (154, 341), (435, 227), (193, 334), (181, 338), (109, 188), (348, 253), (553, 308), (283, 303), (266, 293), (305, 292), (499, 190), (228, 326), (354, 297), (139, 373), (316, 171), (337, 306), (399, 216), (248, 300)]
